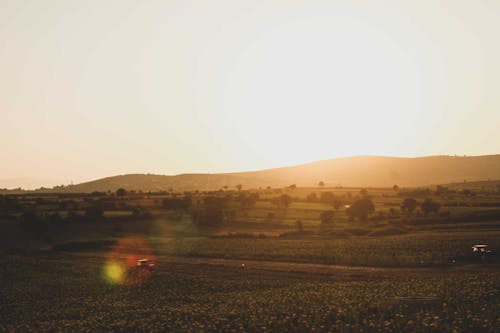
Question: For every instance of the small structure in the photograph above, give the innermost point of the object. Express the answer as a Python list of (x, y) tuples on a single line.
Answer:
[(480, 249), (145, 264)]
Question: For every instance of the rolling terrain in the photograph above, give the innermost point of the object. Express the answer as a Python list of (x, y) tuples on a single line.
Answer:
[(360, 171)]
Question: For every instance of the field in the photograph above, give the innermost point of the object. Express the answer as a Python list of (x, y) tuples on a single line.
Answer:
[(265, 268), (70, 294)]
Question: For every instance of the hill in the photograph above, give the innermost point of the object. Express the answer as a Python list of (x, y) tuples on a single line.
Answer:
[(366, 171)]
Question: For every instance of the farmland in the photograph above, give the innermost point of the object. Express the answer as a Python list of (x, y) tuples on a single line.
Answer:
[(251, 260), (61, 293)]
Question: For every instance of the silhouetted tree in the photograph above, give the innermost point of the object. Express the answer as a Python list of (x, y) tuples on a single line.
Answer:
[(248, 200), (430, 206), (177, 204), (408, 205), (213, 212), (283, 201), (360, 209), (121, 192), (321, 183)]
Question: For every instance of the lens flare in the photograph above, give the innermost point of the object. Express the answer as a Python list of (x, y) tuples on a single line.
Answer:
[(130, 262), (114, 272)]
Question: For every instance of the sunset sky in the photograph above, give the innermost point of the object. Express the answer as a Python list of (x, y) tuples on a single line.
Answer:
[(90, 89)]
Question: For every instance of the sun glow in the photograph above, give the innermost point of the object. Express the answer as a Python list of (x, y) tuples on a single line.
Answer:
[(221, 86)]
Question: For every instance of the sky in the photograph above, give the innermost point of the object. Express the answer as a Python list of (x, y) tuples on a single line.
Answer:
[(96, 88)]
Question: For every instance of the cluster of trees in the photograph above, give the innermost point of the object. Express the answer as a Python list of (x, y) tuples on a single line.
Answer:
[(409, 205)]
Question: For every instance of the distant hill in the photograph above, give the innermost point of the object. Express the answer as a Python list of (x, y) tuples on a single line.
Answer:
[(366, 171)]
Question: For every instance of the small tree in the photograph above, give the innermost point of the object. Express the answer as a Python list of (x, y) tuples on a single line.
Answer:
[(408, 205), (360, 209), (239, 187), (121, 192), (321, 184), (283, 201), (430, 206)]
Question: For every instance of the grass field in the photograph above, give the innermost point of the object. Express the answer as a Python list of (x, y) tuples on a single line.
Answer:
[(79, 273)]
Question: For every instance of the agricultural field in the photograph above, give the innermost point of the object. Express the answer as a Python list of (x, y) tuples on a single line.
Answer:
[(65, 293), (251, 260)]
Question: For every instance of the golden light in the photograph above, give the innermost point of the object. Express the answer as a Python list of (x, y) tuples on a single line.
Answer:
[(114, 272), (123, 262)]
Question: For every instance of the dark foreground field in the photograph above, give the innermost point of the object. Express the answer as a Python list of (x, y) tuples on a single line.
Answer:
[(80, 292), (312, 263)]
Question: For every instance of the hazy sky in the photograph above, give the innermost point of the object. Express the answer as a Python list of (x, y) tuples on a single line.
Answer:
[(97, 88)]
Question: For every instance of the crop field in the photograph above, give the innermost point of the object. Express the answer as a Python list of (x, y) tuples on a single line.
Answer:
[(278, 260), (64, 293)]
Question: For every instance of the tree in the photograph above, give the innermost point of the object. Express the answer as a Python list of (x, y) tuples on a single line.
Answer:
[(312, 197), (430, 206), (177, 204), (121, 192), (239, 187), (442, 190), (247, 201), (321, 184), (326, 217), (360, 209), (408, 205), (213, 212), (395, 188), (283, 201)]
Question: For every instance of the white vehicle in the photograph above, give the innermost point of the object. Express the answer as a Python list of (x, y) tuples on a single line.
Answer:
[(145, 264), (480, 249)]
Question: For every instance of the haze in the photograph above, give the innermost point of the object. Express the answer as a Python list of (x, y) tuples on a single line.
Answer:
[(90, 89)]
